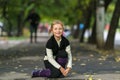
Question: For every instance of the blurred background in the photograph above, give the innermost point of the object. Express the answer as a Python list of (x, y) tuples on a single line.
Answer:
[(89, 24), (92, 21)]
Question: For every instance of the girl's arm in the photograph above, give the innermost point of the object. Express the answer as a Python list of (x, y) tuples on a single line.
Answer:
[(68, 50), (51, 59)]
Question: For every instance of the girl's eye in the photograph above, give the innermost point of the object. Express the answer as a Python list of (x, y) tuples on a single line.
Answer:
[(60, 28), (55, 28)]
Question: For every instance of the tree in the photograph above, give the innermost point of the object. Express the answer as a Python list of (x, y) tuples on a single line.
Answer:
[(92, 38), (113, 26), (100, 24), (80, 13), (88, 16), (69, 11), (10, 14)]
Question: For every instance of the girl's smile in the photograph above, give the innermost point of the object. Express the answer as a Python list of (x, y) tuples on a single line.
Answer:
[(57, 31)]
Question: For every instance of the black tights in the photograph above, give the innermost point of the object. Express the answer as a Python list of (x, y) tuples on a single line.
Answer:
[(51, 71)]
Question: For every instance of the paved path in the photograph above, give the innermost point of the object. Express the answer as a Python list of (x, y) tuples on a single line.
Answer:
[(18, 62), (5, 44)]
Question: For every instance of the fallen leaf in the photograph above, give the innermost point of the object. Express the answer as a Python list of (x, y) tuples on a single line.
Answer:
[(91, 55), (78, 59), (35, 68), (15, 67), (90, 77), (22, 70), (102, 59), (20, 65), (100, 63), (74, 58), (12, 72), (117, 59), (83, 64), (73, 73)]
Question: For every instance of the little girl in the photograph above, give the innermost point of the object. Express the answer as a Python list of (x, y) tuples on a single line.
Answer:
[(58, 58)]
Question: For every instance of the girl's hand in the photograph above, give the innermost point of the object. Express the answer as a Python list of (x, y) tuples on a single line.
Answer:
[(62, 71), (67, 71)]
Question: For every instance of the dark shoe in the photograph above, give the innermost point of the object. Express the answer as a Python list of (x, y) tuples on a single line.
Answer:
[(41, 73), (35, 73), (45, 73)]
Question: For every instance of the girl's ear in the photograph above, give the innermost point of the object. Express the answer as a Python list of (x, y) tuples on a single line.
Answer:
[(50, 30)]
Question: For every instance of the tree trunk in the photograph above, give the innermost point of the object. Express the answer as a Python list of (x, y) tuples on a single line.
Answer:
[(107, 2), (100, 24), (87, 24), (9, 27), (88, 15), (4, 13), (92, 38), (113, 26), (20, 24)]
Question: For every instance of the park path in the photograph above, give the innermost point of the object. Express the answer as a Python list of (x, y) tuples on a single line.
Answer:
[(17, 62)]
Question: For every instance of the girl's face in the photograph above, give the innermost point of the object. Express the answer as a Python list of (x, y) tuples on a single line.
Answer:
[(57, 30)]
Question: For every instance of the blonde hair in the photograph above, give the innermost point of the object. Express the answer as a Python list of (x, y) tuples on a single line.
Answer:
[(56, 22)]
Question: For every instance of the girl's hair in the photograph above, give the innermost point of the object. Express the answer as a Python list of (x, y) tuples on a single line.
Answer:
[(55, 22)]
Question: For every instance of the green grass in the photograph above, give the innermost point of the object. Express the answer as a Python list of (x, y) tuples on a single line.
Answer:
[(17, 38)]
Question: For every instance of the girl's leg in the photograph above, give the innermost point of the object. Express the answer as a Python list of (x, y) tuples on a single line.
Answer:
[(41, 73), (55, 73), (62, 58), (50, 71), (62, 61)]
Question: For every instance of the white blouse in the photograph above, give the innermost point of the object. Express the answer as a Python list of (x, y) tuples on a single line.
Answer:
[(51, 58)]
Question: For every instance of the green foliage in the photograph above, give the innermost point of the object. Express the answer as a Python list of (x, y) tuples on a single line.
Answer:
[(109, 12), (17, 38), (111, 7), (108, 17), (68, 11)]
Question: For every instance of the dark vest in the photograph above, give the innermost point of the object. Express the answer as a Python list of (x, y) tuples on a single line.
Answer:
[(52, 44)]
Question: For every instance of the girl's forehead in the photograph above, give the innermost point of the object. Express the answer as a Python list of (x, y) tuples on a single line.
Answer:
[(57, 25)]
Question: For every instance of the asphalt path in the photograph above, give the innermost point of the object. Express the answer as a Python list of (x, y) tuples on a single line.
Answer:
[(17, 62)]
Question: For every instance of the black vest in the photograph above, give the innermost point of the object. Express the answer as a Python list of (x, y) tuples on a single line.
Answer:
[(53, 45)]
